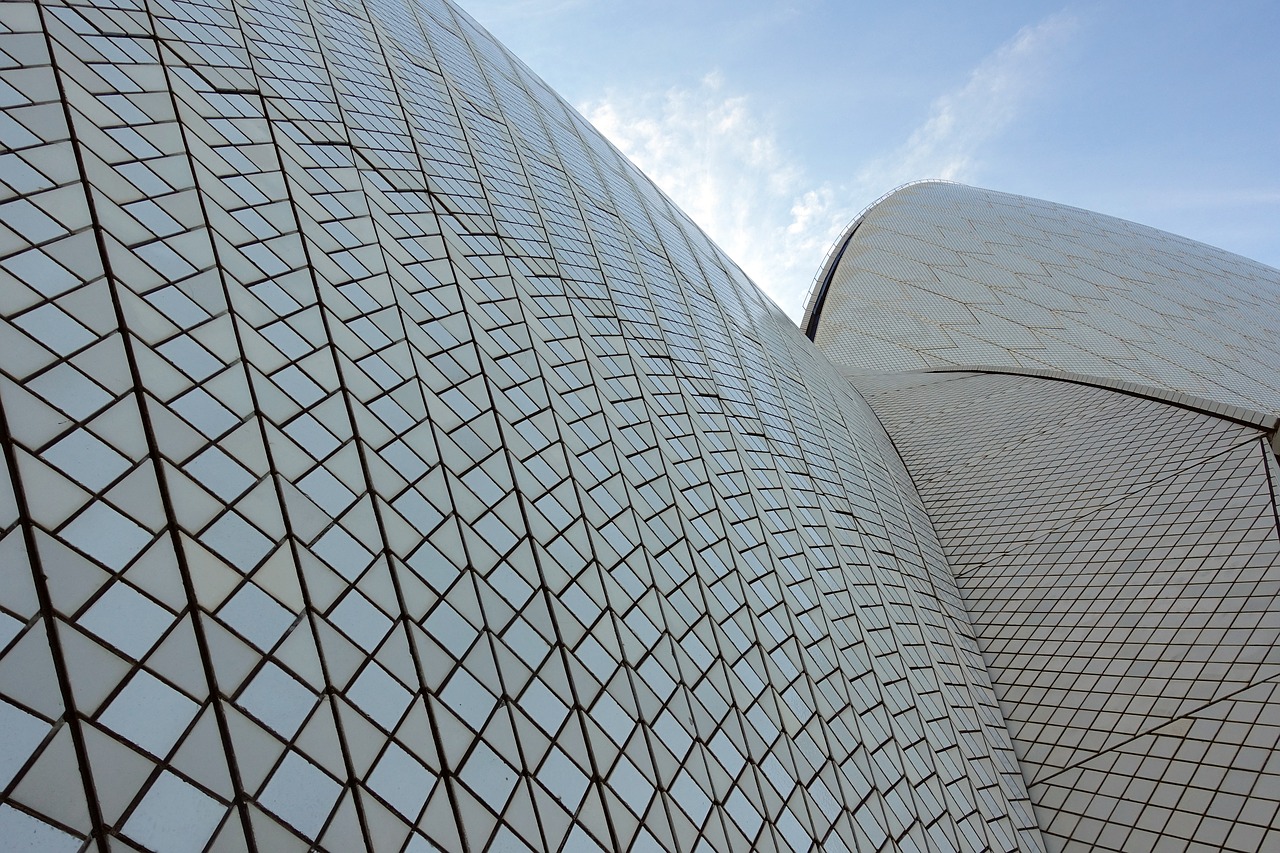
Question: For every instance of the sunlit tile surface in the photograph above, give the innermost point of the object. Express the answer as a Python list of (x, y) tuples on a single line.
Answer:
[(943, 275), (389, 466), (1103, 482), (1120, 561)]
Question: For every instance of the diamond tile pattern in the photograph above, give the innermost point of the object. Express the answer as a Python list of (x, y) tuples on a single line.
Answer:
[(1121, 562), (389, 466)]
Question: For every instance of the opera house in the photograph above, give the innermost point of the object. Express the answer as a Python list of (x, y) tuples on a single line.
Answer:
[(389, 465)]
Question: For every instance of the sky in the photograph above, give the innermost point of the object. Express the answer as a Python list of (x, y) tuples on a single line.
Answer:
[(772, 123)]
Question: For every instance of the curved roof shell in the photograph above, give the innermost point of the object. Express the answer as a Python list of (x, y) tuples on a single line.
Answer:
[(396, 468), (1119, 558), (941, 275)]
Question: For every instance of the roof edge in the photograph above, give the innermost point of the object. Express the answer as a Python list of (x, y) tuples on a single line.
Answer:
[(1268, 423), (817, 295)]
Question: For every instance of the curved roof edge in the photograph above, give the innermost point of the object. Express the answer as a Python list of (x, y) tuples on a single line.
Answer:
[(1247, 417), (817, 294)]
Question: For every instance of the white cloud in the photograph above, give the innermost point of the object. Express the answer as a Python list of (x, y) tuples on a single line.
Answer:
[(721, 161), (722, 164), (949, 143)]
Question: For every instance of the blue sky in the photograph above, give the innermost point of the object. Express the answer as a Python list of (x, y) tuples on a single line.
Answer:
[(773, 123)]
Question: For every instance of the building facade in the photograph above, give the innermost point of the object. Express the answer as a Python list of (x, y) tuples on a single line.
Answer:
[(389, 465), (1088, 410)]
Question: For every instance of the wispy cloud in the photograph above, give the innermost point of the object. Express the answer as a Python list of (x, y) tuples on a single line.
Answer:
[(949, 143), (720, 160)]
